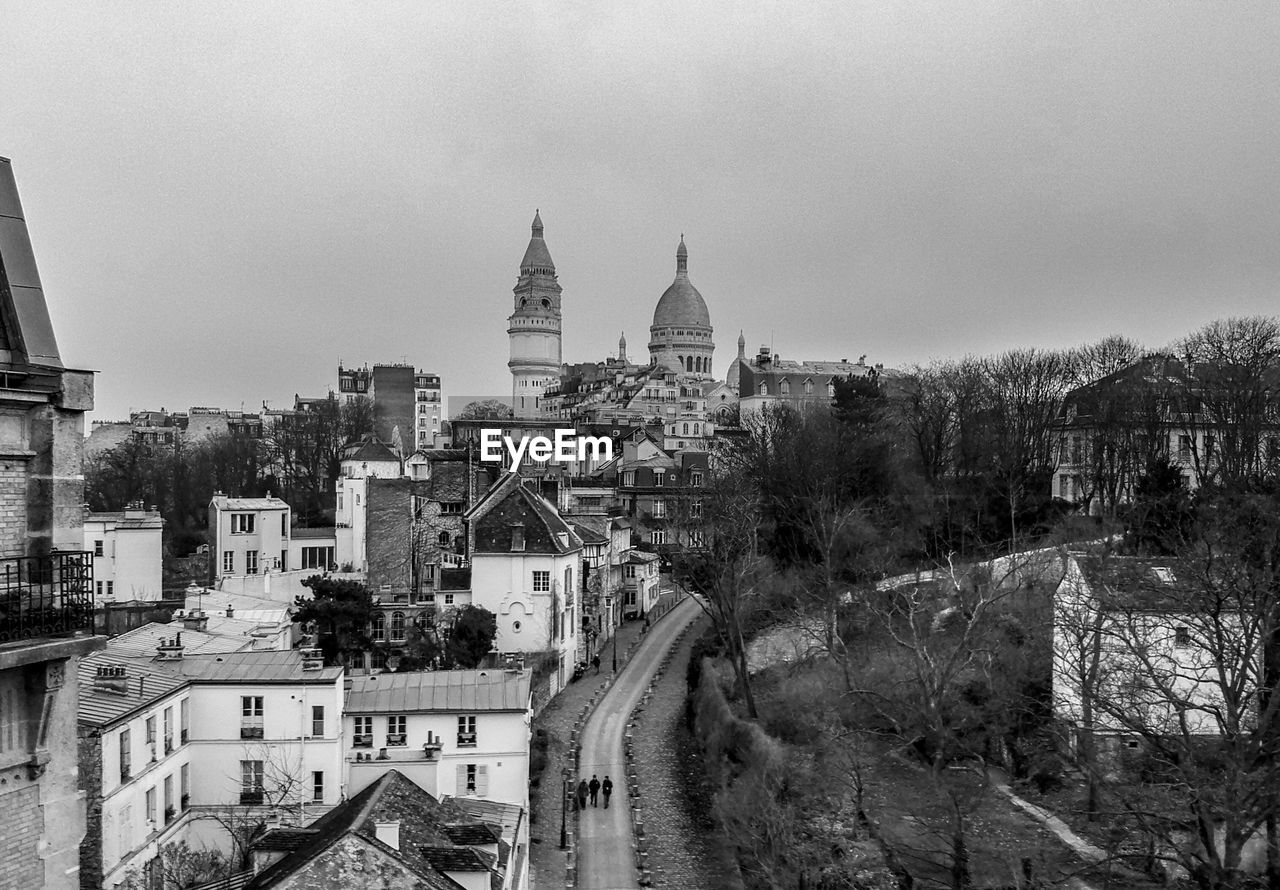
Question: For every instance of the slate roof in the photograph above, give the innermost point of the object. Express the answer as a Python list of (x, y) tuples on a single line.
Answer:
[(143, 685), (143, 641), (268, 666), (285, 839), (472, 834), (454, 858), (509, 488), (588, 534), (454, 691), (1138, 584), (129, 520), (392, 798), (368, 451)]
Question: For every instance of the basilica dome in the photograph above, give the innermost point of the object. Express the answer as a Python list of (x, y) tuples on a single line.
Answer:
[(681, 304)]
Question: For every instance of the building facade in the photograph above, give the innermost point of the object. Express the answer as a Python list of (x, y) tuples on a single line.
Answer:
[(534, 327)]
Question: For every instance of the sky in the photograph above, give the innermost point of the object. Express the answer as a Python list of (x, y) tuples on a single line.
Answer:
[(228, 199)]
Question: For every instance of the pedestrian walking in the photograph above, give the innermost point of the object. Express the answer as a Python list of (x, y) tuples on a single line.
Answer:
[(595, 791), (595, 662), (582, 794), (607, 787)]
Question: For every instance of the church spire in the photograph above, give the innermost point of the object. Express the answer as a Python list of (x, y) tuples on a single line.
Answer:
[(622, 348), (682, 257), (742, 345), (537, 223)]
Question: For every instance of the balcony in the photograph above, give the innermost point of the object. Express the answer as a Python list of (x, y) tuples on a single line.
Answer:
[(251, 730), (362, 740), (466, 740), (251, 797), (395, 739), (46, 596)]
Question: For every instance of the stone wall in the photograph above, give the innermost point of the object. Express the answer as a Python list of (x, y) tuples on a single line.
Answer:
[(21, 826)]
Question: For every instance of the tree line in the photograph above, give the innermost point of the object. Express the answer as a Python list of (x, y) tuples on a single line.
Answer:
[(297, 459)]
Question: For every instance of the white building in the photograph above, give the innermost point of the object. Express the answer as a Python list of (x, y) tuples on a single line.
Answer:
[(127, 551), (525, 561), (170, 741), (250, 536), (456, 733)]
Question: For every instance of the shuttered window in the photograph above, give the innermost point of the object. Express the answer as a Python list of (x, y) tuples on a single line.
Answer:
[(473, 780)]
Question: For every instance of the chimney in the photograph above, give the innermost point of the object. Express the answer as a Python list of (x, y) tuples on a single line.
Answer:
[(170, 650), (111, 678), (312, 659), (231, 612), (388, 833), (196, 620)]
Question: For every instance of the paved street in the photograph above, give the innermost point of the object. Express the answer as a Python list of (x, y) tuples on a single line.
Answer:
[(606, 860)]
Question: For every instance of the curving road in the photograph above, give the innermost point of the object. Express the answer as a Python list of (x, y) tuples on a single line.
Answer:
[(606, 857)]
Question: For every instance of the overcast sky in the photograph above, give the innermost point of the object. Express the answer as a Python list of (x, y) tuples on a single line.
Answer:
[(228, 198)]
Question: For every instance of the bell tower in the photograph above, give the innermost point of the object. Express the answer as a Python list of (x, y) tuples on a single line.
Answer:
[(534, 327)]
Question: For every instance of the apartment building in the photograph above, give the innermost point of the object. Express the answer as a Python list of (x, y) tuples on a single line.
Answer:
[(127, 550)]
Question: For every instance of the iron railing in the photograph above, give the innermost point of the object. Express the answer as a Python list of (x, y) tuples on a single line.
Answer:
[(46, 596)]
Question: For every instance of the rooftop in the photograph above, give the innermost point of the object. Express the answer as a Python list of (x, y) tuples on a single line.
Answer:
[(452, 691), (224, 503)]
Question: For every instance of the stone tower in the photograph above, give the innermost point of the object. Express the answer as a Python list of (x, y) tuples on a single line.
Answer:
[(534, 328)]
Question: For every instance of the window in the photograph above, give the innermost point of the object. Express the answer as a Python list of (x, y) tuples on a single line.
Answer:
[(170, 805), (658, 537), (697, 540), (451, 508), (251, 562), (695, 509), (184, 722), (151, 734), (184, 786), (378, 658), (541, 582), (99, 590), (364, 733), (397, 627), (379, 627), (111, 588), (1064, 487), (126, 755), (317, 786), (473, 779), (228, 561), (659, 509), (1181, 636), (808, 387), (151, 808), (395, 730), (685, 430), (658, 477), (831, 389), (448, 599), (466, 730), (629, 479), (695, 478), (517, 538), (317, 721), (629, 572), (242, 523), (168, 730), (764, 389), (316, 557), (250, 716), (785, 387), (444, 540), (1184, 448), (284, 561), (97, 548), (251, 789)]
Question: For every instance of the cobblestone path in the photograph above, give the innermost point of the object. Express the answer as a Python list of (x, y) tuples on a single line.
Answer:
[(684, 851)]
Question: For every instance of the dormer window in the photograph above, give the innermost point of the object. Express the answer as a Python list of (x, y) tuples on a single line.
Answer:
[(517, 538), (808, 387), (764, 389), (785, 387)]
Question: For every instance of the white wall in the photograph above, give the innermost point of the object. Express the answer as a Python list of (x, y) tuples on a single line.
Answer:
[(270, 538), (502, 746), (131, 560), (503, 584)]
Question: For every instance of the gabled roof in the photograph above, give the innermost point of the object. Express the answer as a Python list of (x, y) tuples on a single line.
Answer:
[(472, 833), (588, 534), (369, 451), (518, 503), (392, 798), (454, 859), (453, 691)]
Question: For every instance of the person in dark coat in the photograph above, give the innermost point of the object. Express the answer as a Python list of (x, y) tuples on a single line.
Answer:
[(595, 662), (595, 791), (582, 794), (607, 787)]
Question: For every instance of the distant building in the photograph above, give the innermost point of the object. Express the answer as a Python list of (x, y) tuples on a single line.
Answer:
[(406, 403), (127, 555), (249, 536), (46, 576), (534, 327), (767, 379)]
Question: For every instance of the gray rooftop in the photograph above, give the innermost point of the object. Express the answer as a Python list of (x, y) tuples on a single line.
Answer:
[(416, 691)]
